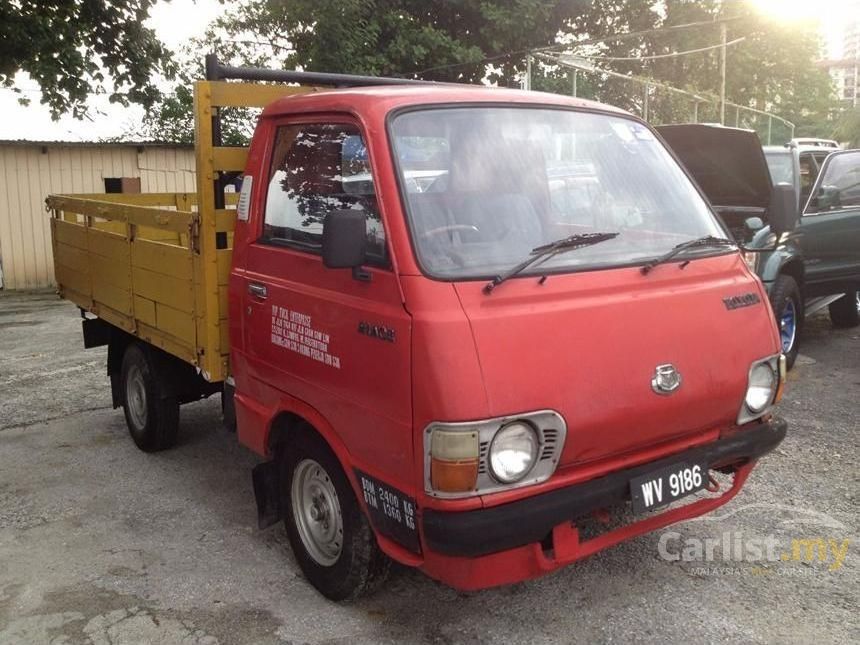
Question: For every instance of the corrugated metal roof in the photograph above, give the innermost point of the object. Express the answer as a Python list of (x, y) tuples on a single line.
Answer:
[(94, 144)]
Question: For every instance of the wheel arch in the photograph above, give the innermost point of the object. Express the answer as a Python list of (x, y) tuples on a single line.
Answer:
[(794, 268), (291, 419), (783, 263), (294, 417)]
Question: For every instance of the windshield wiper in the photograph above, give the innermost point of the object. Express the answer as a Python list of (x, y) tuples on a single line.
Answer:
[(546, 251), (708, 240)]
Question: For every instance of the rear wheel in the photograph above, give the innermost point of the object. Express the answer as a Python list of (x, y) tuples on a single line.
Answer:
[(330, 535), (845, 312), (152, 418), (788, 309)]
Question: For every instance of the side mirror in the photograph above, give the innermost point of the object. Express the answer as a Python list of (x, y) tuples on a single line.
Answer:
[(344, 239), (828, 198), (782, 212), (753, 224)]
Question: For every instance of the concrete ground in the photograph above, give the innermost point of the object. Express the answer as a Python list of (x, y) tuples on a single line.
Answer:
[(101, 543)]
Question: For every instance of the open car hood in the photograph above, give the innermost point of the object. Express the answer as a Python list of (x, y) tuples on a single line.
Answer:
[(727, 163)]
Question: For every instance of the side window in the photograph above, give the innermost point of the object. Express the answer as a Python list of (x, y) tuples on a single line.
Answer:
[(808, 172), (840, 184), (316, 169)]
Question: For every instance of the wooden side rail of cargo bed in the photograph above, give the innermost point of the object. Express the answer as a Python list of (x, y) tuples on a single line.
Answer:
[(136, 263), (157, 264)]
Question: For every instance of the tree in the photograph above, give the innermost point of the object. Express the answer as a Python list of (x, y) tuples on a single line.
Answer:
[(71, 48), (848, 128), (171, 118), (773, 68), (446, 40)]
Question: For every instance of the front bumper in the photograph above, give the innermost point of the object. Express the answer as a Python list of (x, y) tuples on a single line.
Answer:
[(531, 520)]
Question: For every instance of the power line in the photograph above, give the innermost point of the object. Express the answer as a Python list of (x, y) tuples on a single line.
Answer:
[(581, 43), (258, 42), (670, 55)]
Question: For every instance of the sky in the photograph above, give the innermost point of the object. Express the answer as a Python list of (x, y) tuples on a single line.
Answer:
[(180, 20), (175, 23)]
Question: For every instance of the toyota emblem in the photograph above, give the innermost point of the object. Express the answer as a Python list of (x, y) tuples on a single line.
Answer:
[(666, 379)]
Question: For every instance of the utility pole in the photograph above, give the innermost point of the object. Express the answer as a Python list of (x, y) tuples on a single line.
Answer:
[(723, 73), (528, 83), (645, 104)]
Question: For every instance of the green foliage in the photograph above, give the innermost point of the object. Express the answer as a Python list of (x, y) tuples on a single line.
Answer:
[(469, 41), (446, 40), (848, 128), (443, 40), (171, 119), (772, 69), (70, 48)]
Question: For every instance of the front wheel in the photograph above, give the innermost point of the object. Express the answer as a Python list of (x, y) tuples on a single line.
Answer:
[(151, 416), (845, 312), (788, 308), (331, 538)]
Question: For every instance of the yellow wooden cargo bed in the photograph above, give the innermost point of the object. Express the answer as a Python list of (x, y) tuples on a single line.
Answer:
[(149, 263)]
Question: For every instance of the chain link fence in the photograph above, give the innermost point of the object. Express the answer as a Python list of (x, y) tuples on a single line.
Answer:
[(656, 102)]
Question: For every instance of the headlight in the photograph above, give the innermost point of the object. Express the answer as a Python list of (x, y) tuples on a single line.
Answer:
[(462, 459), (513, 452), (761, 388), (763, 385)]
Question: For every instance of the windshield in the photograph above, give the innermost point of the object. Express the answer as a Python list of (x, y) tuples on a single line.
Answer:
[(781, 166), (486, 185)]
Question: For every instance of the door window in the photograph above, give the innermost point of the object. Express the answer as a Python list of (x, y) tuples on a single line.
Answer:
[(839, 184), (316, 169)]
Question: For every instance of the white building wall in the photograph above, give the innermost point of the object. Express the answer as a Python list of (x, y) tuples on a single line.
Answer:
[(29, 173)]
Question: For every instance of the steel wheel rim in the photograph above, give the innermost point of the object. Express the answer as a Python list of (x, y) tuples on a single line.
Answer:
[(135, 397), (857, 300), (317, 513), (788, 326)]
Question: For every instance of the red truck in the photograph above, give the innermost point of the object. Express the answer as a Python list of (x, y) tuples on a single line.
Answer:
[(477, 331)]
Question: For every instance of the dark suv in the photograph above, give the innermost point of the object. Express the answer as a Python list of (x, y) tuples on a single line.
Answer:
[(814, 264)]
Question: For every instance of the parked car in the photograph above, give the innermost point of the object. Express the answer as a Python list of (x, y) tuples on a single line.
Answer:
[(812, 142), (796, 165), (437, 357), (814, 265)]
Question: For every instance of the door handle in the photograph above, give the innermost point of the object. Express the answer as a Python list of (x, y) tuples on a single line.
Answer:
[(258, 290)]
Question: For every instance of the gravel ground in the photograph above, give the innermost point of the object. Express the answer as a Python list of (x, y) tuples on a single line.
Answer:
[(100, 543)]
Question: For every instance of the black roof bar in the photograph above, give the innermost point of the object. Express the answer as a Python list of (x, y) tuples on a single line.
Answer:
[(215, 71)]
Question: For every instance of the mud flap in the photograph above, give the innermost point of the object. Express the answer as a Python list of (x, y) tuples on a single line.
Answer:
[(265, 478)]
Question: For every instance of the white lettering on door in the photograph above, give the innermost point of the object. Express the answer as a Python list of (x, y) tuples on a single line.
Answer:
[(294, 331)]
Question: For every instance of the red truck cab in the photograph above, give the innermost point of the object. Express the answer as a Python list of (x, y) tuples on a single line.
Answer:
[(468, 323)]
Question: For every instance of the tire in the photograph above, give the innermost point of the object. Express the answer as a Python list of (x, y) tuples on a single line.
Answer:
[(331, 538), (845, 312), (788, 309), (151, 416)]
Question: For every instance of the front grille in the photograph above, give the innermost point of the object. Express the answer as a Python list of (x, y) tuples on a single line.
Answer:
[(550, 437), (482, 460)]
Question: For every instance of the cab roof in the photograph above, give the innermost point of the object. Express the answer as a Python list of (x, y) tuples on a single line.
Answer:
[(389, 97)]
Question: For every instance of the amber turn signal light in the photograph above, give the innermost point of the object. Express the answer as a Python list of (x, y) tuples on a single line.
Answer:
[(780, 388), (453, 460), (453, 476)]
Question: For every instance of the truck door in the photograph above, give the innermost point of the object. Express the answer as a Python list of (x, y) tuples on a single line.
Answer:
[(335, 340), (830, 226)]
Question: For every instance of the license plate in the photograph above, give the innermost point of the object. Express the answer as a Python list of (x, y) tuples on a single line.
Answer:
[(392, 512), (666, 485)]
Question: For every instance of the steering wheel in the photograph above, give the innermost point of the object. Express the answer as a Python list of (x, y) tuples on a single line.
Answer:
[(449, 228)]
